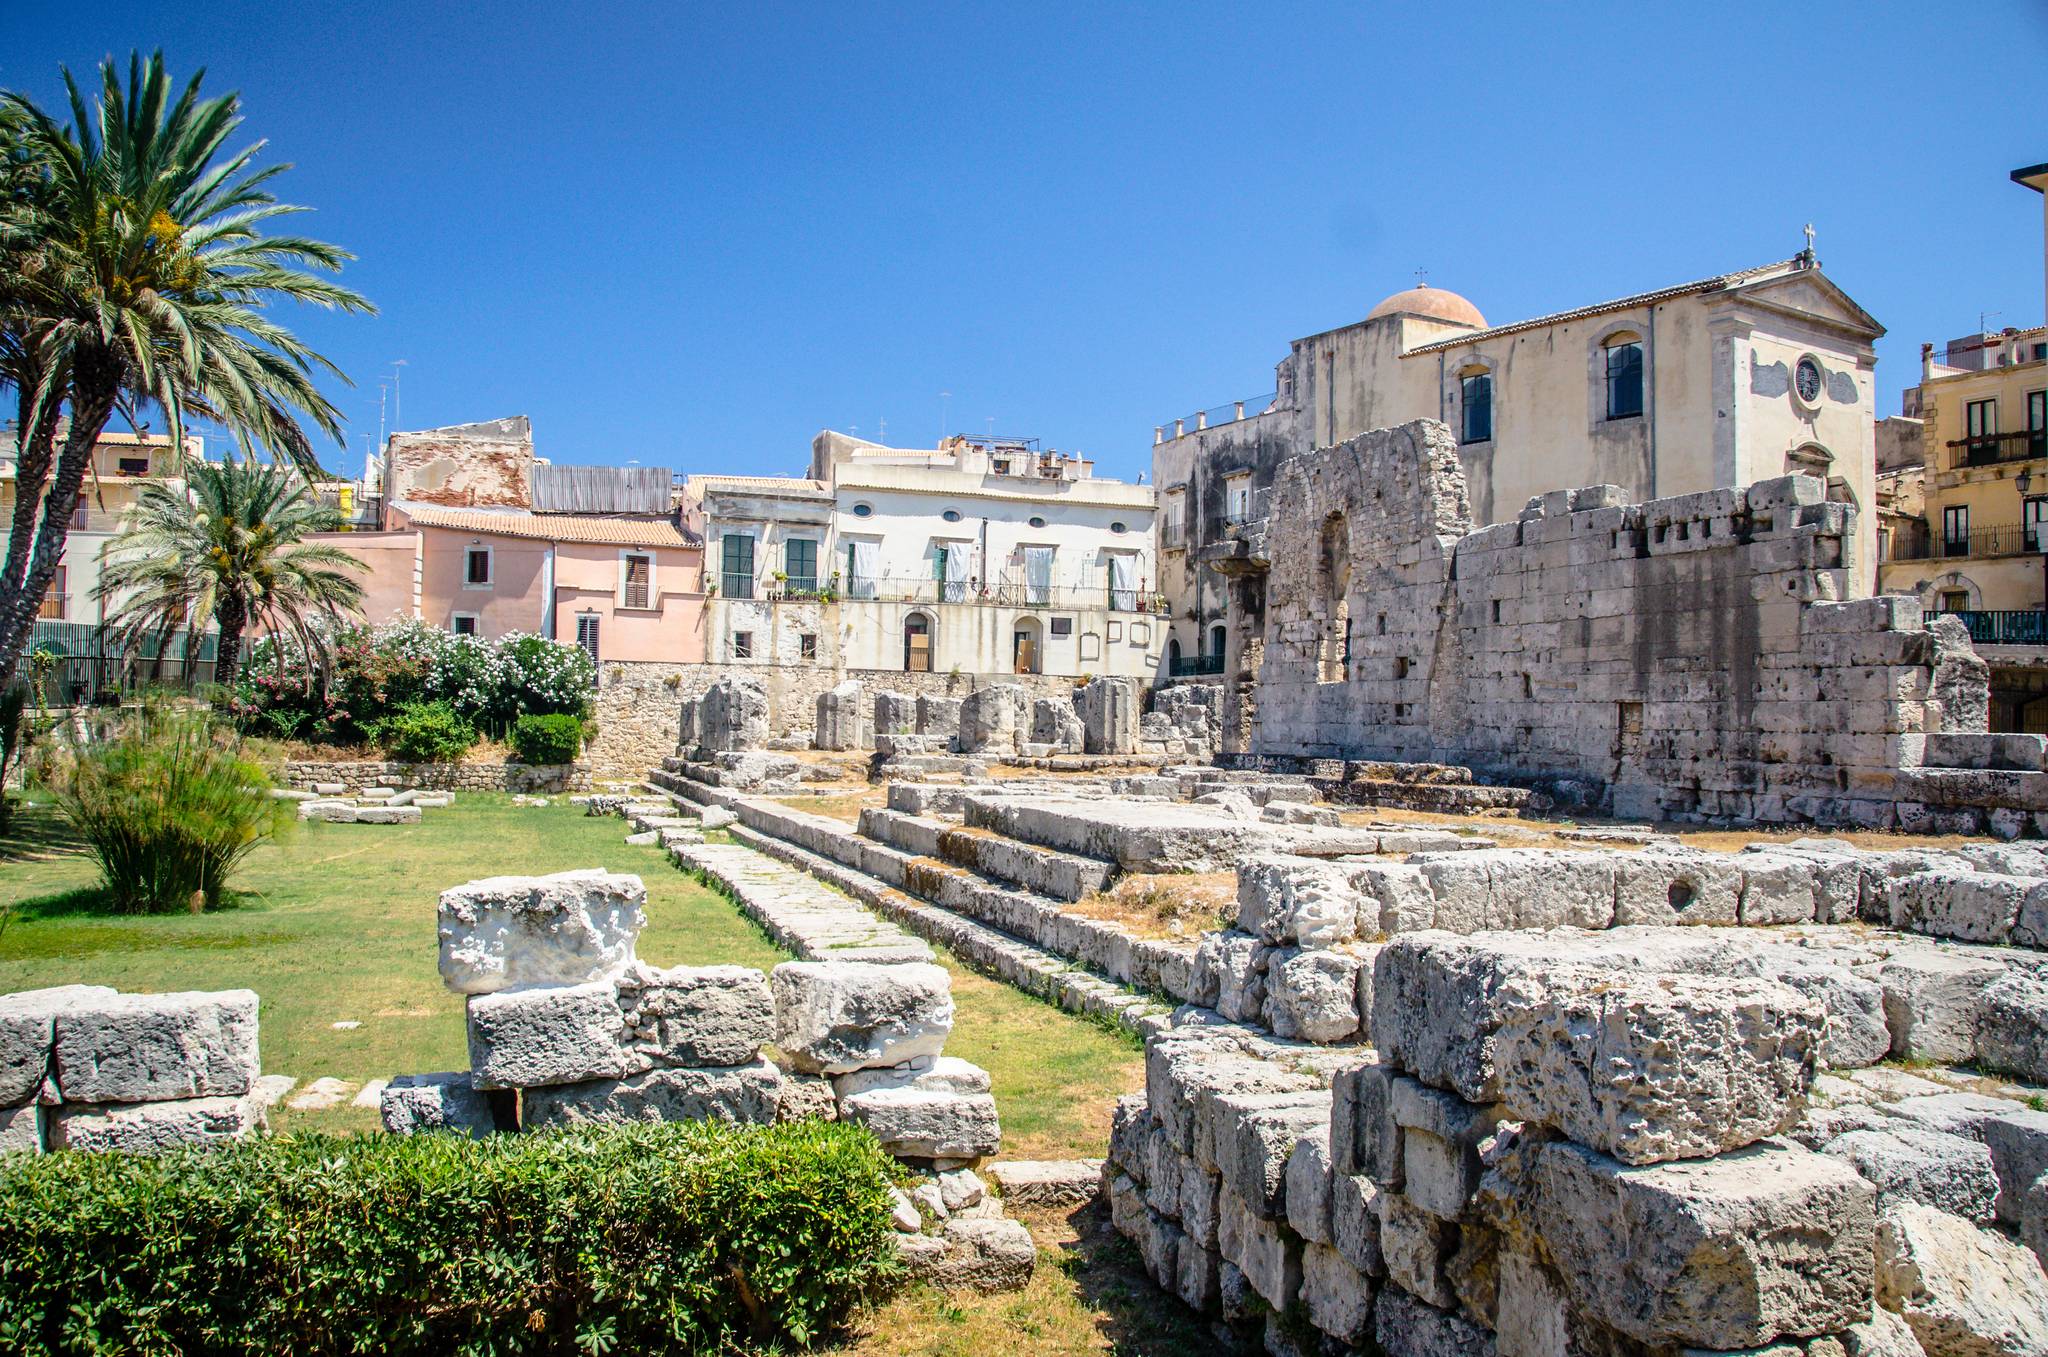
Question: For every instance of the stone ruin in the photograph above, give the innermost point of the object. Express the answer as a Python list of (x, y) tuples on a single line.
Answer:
[(85, 1068), (568, 1027), (1581, 1102), (840, 723), (330, 803), (723, 736), (1102, 717), (1689, 657)]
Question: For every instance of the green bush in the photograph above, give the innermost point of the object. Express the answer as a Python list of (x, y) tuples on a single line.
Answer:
[(690, 1237), (547, 739), (426, 732), (167, 806)]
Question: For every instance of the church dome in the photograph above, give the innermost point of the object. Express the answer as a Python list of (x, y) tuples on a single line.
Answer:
[(1432, 302)]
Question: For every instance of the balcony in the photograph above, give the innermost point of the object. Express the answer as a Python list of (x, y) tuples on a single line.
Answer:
[(1010, 593), (2009, 627), (1992, 449), (2007, 539), (1197, 667)]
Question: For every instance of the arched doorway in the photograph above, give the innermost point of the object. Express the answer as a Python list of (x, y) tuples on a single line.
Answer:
[(1219, 641), (1027, 647), (917, 644), (1172, 655)]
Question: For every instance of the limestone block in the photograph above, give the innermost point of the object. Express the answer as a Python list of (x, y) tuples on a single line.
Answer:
[(565, 929), (1338, 1299), (1928, 1168), (806, 1096), (134, 1048), (834, 1017), (1959, 1114), (1407, 1327), (387, 815), (1520, 888), (728, 1093), (1854, 1031), (1307, 901), (716, 817), (563, 1034), (1394, 898), (1201, 1196), (1055, 724), (21, 1129), (1198, 1271), (732, 715), (412, 1103), (1261, 1140), (1308, 1188), (1164, 1168), (1226, 966), (980, 1255), (840, 722), (990, 719), (895, 714), (1957, 902), (1729, 1252), (328, 812), (1355, 1222), (1649, 1068), (28, 1034), (1676, 886), (1108, 708), (1438, 1003), (1777, 888), (698, 1015), (1047, 1182), (1265, 1251), (1534, 1316), (946, 1074), (2018, 1145), (1364, 1137), (1961, 1290), (1313, 995), (914, 1124), (2012, 1027), (938, 718), (1884, 1334), (2034, 1219), (1416, 1245), (145, 1127), (1931, 1001)]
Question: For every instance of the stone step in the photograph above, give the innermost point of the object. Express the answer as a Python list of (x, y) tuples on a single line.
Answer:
[(807, 917), (1063, 876)]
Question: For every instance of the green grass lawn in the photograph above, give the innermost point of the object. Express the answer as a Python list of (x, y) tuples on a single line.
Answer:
[(335, 923)]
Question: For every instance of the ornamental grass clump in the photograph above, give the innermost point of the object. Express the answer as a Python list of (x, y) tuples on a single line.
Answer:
[(167, 806)]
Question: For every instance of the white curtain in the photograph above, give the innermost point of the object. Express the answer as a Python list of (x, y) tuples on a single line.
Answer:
[(862, 560), (954, 565), (1123, 582), (1038, 574)]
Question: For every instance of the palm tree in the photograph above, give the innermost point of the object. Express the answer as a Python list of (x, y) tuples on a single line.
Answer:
[(136, 273), (233, 552)]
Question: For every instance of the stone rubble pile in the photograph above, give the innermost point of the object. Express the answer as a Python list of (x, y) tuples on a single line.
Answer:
[(370, 806), (567, 1026), (1546, 1157), (85, 1068)]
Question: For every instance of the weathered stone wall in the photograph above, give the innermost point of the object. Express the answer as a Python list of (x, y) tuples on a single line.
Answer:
[(1683, 657), (637, 703), (355, 774)]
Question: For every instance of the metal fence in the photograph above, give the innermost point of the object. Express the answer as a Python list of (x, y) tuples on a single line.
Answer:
[(2007, 627), (92, 669)]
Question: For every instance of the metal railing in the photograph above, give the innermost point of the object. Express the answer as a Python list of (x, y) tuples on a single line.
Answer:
[(735, 584), (91, 669), (1194, 668), (1011, 592), (1991, 449), (1215, 416), (2005, 539), (1173, 534), (2002, 627)]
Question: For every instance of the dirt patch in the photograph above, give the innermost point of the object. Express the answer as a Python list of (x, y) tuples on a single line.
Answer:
[(1514, 830), (1177, 905)]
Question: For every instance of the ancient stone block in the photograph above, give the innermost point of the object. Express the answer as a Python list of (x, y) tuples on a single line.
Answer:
[(1929, 1168), (938, 719), (133, 1048), (895, 714), (1308, 1188), (729, 1093), (146, 1127), (1407, 1327), (28, 1032), (1355, 1222), (1252, 1152), (1313, 995), (564, 929), (1960, 1289), (1047, 1182), (834, 1017), (1957, 902), (697, 1015), (915, 1124), (1931, 1000), (411, 1103), (946, 1074), (1676, 886), (1337, 1297), (1728, 1252), (1415, 1246), (841, 720), (1108, 708), (1054, 723), (1649, 1068), (1307, 901), (990, 719), (2018, 1145), (2012, 1027), (732, 715), (1265, 1251), (562, 1034)]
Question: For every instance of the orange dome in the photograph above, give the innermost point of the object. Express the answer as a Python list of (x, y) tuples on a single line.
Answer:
[(1433, 302)]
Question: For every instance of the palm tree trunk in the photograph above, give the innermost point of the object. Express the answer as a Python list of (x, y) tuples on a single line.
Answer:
[(232, 613), (35, 443), (92, 406)]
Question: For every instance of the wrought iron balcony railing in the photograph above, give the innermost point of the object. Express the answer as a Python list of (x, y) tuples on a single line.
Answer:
[(2002, 627)]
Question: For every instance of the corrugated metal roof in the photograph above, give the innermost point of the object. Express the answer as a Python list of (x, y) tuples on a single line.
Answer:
[(600, 489), (1714, 284), (583, 528)]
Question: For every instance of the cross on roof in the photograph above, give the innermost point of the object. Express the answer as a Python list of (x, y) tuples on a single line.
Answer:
[(1420, 274)]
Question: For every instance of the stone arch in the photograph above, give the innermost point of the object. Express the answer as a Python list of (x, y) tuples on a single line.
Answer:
[(1027, 646)]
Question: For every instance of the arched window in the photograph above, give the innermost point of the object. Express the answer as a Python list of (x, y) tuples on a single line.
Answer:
[(917, 644), (1172, 656), (1624, 374), (1475, 406)]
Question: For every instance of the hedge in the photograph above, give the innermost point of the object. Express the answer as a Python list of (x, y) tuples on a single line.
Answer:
[(551, 739), (673, 1237)]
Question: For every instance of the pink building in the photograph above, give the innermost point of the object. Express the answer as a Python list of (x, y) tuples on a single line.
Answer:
[(624, 588)]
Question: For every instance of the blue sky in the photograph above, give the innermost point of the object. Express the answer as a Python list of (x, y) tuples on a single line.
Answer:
[(693, 235)]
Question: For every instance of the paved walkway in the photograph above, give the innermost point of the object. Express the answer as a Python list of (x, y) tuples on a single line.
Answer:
[(800, 912)]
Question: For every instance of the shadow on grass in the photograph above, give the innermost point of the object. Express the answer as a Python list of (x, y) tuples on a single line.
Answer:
[(1131, 1311), (38, 832)]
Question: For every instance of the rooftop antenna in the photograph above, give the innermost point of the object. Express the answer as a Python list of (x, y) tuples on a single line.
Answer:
[(883, 435), (396, 416), (383, 395), (1984, 321)]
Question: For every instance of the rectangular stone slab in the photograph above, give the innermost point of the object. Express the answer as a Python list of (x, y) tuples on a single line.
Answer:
[(560, 1034), (149, 1127), (28, 1031), (728, 1093), (137, 1048)]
